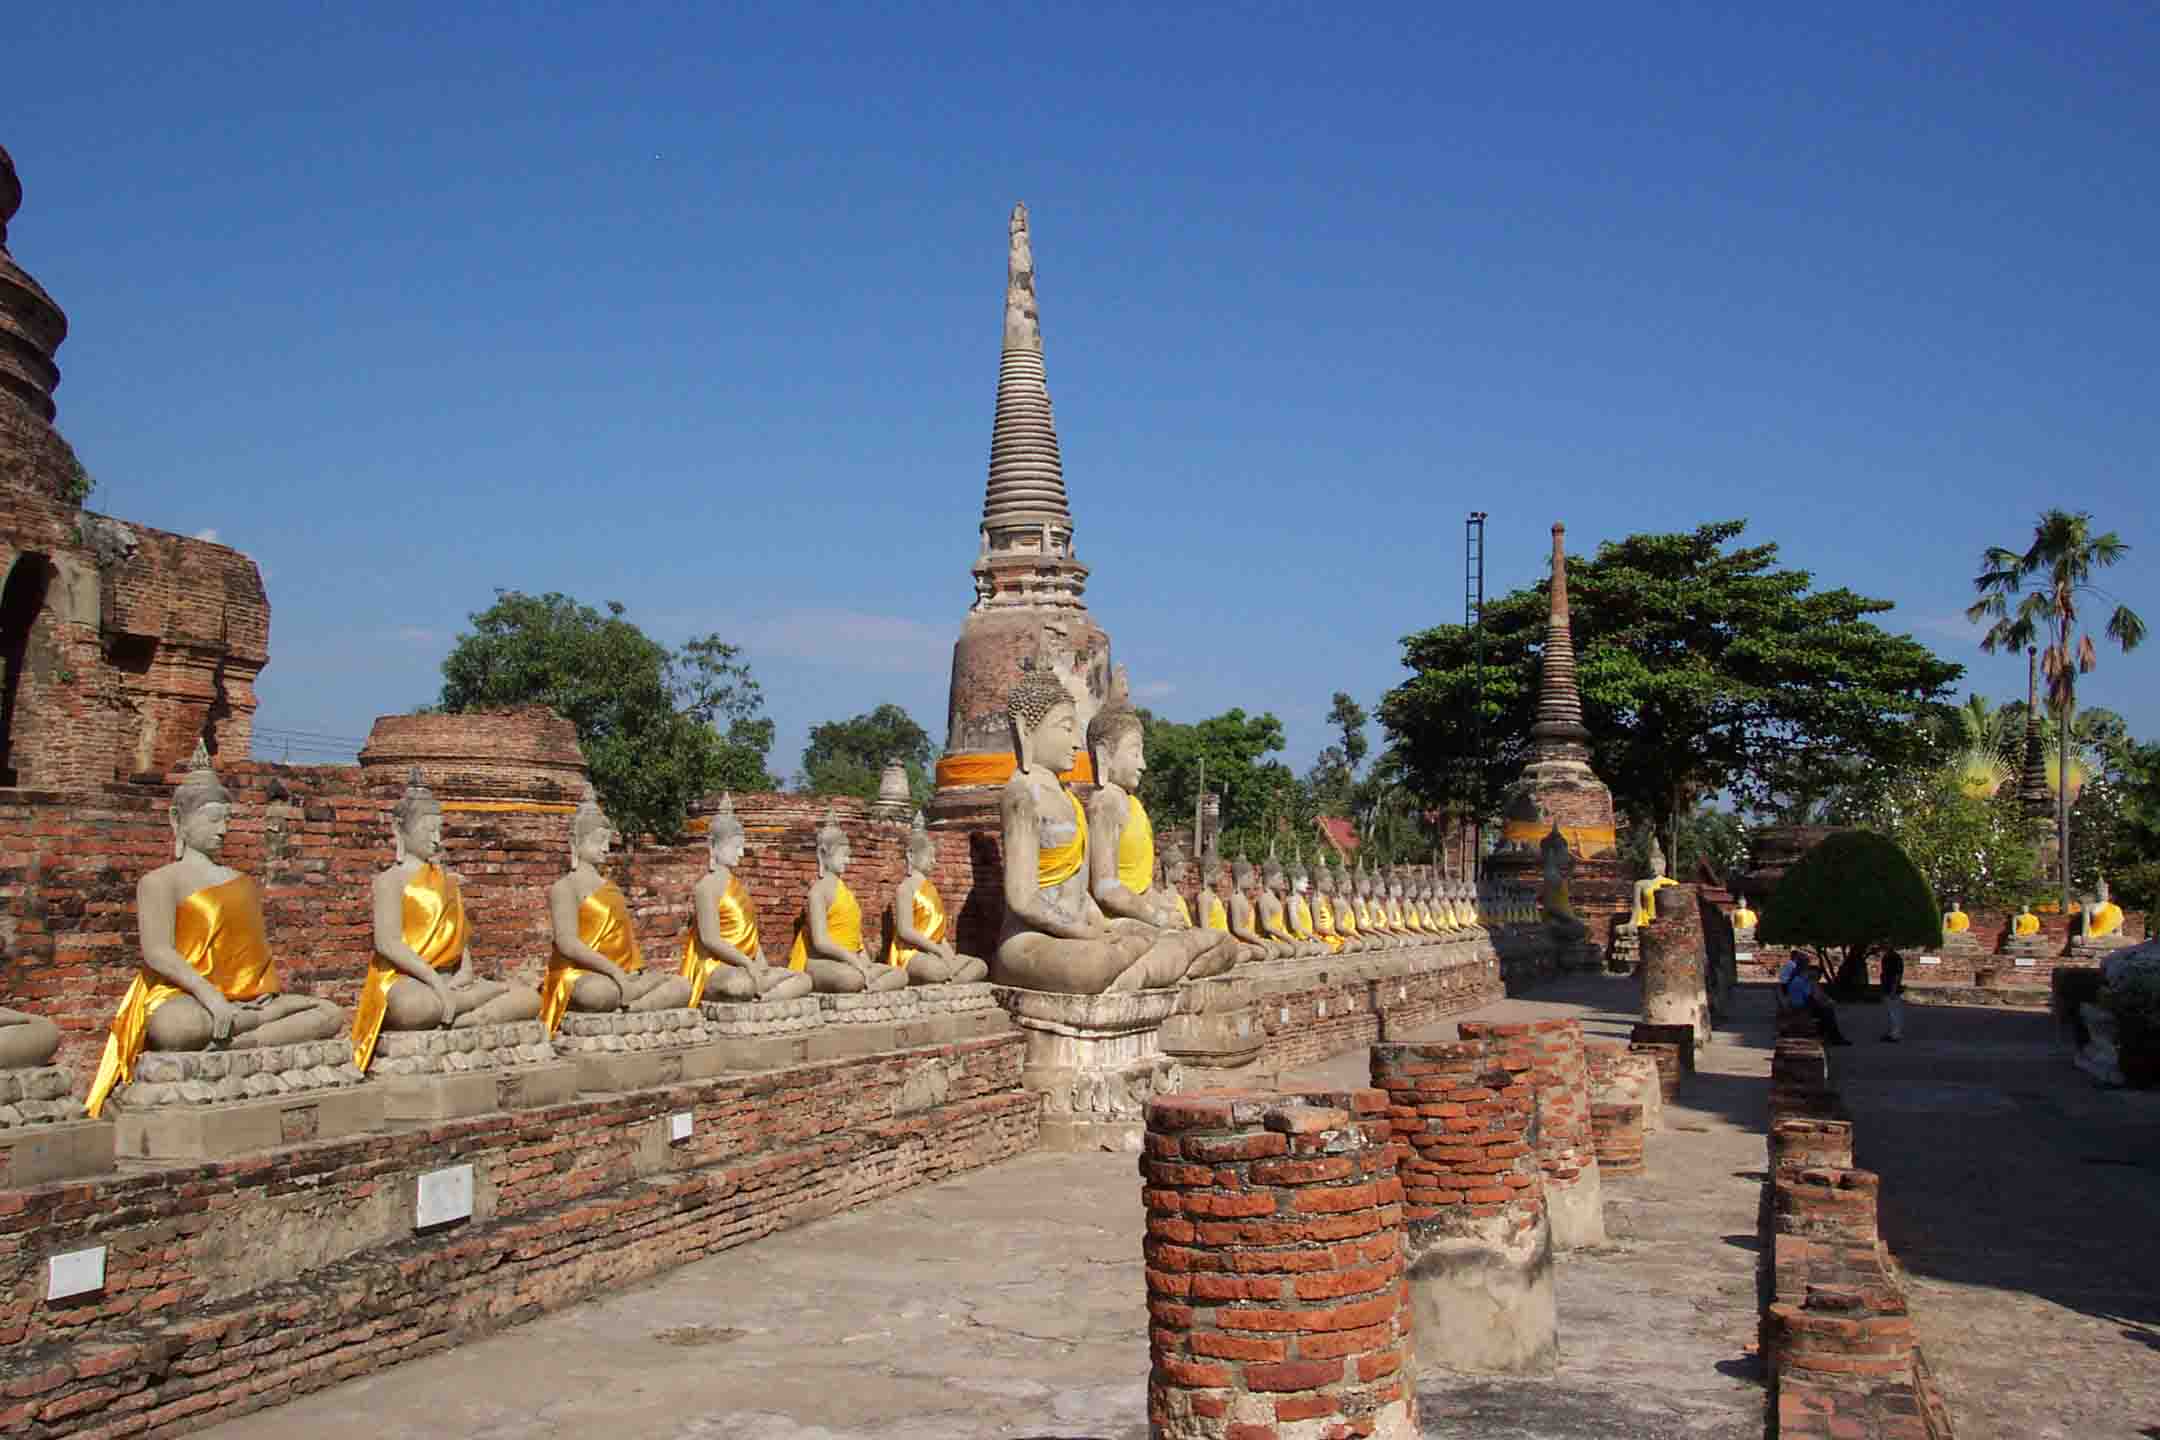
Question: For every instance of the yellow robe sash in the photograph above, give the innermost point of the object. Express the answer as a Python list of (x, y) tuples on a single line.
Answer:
[(2027, 924), (1957, 922), (1057, 864), (1346, 921), (434, 929), (1324, 924), (1395, 915), (1184, 911), (218, 930), (603, 923), (738, 927), (1136, 848), (1216, 915), (1274, 929), (1646, 912), (2106, 919), (1300, 919), (843, 923), (930, 922)]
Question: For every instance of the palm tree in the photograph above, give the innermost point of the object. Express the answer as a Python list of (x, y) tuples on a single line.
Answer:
[(1981, 750), (2058, 568)]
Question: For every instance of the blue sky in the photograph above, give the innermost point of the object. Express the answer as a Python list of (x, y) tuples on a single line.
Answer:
[(698, 308)]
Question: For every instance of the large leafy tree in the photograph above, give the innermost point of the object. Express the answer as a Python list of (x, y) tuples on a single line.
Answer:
[(1703, 669), (1856, 891), (2048, 581), (848, 757), (1260, 796), (659, 726)]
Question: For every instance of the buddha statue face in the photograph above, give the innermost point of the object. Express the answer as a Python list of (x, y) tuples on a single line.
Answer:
[(1241, 875), (1053, 741), (728, 844), (1300, 879), (419, 835), (1127, 760), (590, 838), (832, 854), (2100, 893), (921, 854), (202, 826)]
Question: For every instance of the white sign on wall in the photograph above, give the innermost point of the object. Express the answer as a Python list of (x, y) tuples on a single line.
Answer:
[(78, 1272), (444, 1195)]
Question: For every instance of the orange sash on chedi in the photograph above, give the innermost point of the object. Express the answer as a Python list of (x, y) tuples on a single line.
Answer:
[(218, 930)]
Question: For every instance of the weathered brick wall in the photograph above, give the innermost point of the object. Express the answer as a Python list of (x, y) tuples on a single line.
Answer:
[(1990, 928), (1837, 1336), (527, 753), (235, 1285), (314, 836), (1277, 1295)]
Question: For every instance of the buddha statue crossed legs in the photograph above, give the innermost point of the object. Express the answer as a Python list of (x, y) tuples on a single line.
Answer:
[(207, 976), (1056, 937), (597, 966), (26, 1040), (1245, 925), (724, 954), (1121, 849), (828, 934), (421, 976), (922, 927)]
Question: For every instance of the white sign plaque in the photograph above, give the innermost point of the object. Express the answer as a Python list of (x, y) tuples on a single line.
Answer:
[(78, 1272), (678, 1126), (445, 1195)]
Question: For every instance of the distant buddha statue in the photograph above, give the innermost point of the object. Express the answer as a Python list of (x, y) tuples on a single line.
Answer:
[(2101, 916), (421, 975), (828, 934), (1212, 912), (597, 967), (1170, 880), (1646, 890), (1955, 920), (1298, 911), (724, 953), (1121, 849), (2026, 923), (1055, 935), (1745, 920), (922, 927), (1323, 909), (207, 978), (1561, 921), (1344, 902), (1243, 913), (1372, 910), (26, 1040)]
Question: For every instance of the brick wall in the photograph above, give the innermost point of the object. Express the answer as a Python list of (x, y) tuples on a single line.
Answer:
[(240, 1284)]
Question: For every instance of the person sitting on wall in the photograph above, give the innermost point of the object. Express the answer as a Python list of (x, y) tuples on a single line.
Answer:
[(1804, 991)]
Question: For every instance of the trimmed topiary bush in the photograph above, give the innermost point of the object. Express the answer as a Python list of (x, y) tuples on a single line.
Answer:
[(1857, 892)]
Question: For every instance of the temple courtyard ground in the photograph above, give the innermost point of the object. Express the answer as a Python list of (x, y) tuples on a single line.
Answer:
[(1009, 1303)]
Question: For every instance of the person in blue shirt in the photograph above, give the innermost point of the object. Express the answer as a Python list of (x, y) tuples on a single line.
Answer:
[(1800, 985)]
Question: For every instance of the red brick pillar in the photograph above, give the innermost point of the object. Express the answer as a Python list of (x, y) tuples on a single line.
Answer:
[(1560, 1079), (1618, 1133), (1480, 1242), (1619, 1076), (1277, 1304), (1673, 989)]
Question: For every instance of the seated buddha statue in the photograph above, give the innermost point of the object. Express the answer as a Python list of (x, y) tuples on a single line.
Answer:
[(1400, 913), (1561, 922), (1745, 920), (1243, 913), (1055, 936), (1298, 913), (1211, 911), (597, 967), (1372, 911), (2101, 917), (1955, 920), (2026, 923), (828, 934), (724, 953), (1342, 907), (1273, 911), (207, 978), (1646, 889), (922, 927), (26, 1041), (1170, 880), (1121, 844), (421, 975)]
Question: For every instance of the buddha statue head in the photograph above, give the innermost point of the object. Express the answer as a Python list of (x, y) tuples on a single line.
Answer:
[(1364, 882), (921, 849), (1170, 863), (2100, 891), (1242, 878), (725, 842), (832, 845), (1272, 877), (591, 832), (1657, 860), (1211, 864), (1115, 743), (1300, 877), (201, 808), (1044, 722), (416, 821)]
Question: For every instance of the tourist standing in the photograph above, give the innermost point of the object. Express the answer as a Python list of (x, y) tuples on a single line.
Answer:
[(1893, 995)]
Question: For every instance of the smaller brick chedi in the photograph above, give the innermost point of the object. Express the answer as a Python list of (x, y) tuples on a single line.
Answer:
[(1028, 582)]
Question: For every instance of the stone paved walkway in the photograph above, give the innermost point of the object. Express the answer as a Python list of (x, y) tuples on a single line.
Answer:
[(1009, 1303), (2024, 1204)]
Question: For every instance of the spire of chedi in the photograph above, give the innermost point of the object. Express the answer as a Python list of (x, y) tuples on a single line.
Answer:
[(31, 325), (1026, 556), (1027, 613), (1558, 729)]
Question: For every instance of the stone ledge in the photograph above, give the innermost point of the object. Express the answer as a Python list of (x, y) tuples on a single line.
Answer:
[(943, 999), (730, 1018), (887, 1007), (1117, 1013), (38, 1154), (179, 1078), (457, 1051), (44, 1095), (619, 1032), (241, 1127)]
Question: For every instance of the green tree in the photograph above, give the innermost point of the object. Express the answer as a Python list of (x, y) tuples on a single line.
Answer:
[(1346, 715), (1857, 891), (1970, 846), (659, 727), (1260, 796), (848, 757), (1703, 669), (2048, 579)]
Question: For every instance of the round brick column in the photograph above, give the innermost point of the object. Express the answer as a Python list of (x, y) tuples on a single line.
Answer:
[(1277, 1304), (1673, 992), (1566, 1151), (1480, 1242)]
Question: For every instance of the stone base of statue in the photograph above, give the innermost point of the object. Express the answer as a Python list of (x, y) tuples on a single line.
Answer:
[(208, 1104), (1096, 1060), (2030, 947), (2091, 951), (638, 1050), (2098, 1057), (763, 1034), (1215, 1033), (43, 1133), (449, 1074), (863, 1024), (1960, 945)]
